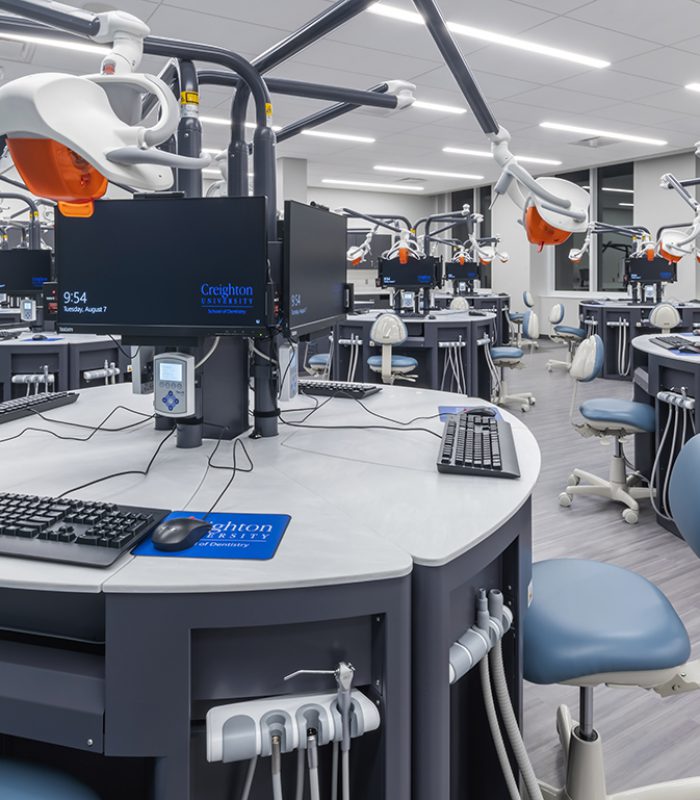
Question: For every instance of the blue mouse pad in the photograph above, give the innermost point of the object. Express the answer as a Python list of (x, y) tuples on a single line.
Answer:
[(445, 411), (252, 537), (42, 341)]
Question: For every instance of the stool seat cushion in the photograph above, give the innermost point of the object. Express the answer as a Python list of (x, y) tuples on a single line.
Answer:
[(21, 780), (589, 618), (516, 316), (319, 360), (620, 413), (399, 362), (506, 353), (566, 330)]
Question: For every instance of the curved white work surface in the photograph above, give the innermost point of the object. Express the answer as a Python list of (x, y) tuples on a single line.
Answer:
[(645, 345), (620, 305), (364, 503), (435, 316)]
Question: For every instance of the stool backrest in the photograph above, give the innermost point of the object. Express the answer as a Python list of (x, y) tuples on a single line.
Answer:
[(389, 329), (683, 493), (587, 363), (531, 326), (459, 304), (528, 299), (556, 315), (665, 316)]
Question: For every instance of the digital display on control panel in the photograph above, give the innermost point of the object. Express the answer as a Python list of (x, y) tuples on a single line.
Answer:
[(176, 267), (170, 372)]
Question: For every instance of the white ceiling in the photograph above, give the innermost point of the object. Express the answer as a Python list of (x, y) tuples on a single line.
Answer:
[(653, 48)]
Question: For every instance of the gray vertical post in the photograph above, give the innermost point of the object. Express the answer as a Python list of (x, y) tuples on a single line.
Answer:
[(189, 132)]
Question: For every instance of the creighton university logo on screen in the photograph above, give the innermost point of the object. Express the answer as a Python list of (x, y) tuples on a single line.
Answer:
[(226, 297)]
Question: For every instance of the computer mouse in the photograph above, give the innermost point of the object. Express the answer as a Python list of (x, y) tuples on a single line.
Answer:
[(180, 533), (432, 316), (39, 337), (485, 411)]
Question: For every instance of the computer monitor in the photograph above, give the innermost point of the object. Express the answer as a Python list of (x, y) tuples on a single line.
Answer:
[(164, 268), (314, 269), (24, 272), (641, 270), (462, 273), (418, 273)]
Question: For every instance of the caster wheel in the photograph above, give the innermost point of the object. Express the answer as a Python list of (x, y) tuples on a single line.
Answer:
[(533, 401), (574, 480), (630, 516), (525, 408), (550, 369), (565, 499)]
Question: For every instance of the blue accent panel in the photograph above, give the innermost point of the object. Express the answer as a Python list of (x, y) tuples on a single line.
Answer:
[(319, 360), (27, 781), (400, 362), (683, 493), (516, 316), (580, 332), (509, 353), (620, 412), (589, 618), (250, 537)]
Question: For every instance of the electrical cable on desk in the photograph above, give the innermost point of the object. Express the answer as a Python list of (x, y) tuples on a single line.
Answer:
[(395, 421), (235, 469), (94, 430), (146, 418), (143, 472), (361, 428)]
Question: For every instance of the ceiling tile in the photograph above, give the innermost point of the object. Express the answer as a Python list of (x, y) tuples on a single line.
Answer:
[(663, 22), (555, 6), (675, 66), (563, 100), (615, 85)]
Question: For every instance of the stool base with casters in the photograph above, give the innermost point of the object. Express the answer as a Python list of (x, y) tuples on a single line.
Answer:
[(618, 487)]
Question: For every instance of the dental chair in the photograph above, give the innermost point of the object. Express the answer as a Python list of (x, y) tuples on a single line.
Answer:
[(21, 780), (592, 623), (665, 317), (607, 417), (503, 358), (390, 331), (516, 318), (563, 334)]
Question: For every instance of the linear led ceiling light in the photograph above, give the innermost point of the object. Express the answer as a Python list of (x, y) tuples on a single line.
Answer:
[(370, 185), (392, 12), (430, 172), (460, 151), (623, 137)]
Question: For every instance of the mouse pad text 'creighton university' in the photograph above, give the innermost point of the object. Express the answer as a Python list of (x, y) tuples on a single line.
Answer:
[(254, 537)]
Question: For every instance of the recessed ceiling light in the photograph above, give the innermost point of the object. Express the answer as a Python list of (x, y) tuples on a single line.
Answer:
[(370, 185), (61, 44), (223, 121), (345, 137), (492, 37), (460, 151), (217, 174), (694, 87), (438, 107), (623, 137), (617, 191), (434, 172)]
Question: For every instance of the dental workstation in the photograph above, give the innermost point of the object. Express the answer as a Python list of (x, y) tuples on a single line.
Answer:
[(349, 358)]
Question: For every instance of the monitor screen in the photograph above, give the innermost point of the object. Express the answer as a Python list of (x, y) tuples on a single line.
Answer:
[(419, 273), (164, 268), (315, 269), (641, 270), (469, 271), (24, 272)]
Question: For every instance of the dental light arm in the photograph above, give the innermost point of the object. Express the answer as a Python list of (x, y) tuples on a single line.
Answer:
[(640, 235), (553, 209), (675, 242)]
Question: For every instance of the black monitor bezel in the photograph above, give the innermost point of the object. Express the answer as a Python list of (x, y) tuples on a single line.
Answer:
[(671, 266), (30, 291)]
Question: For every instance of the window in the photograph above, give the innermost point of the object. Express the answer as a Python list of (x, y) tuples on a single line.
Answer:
[(616, 207), (570, 277), (459, 199)]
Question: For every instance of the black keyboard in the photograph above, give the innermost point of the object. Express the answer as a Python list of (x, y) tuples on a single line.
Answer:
[(676, 343), (338, 389), (478, 444), (29, 405), (82, 532)]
